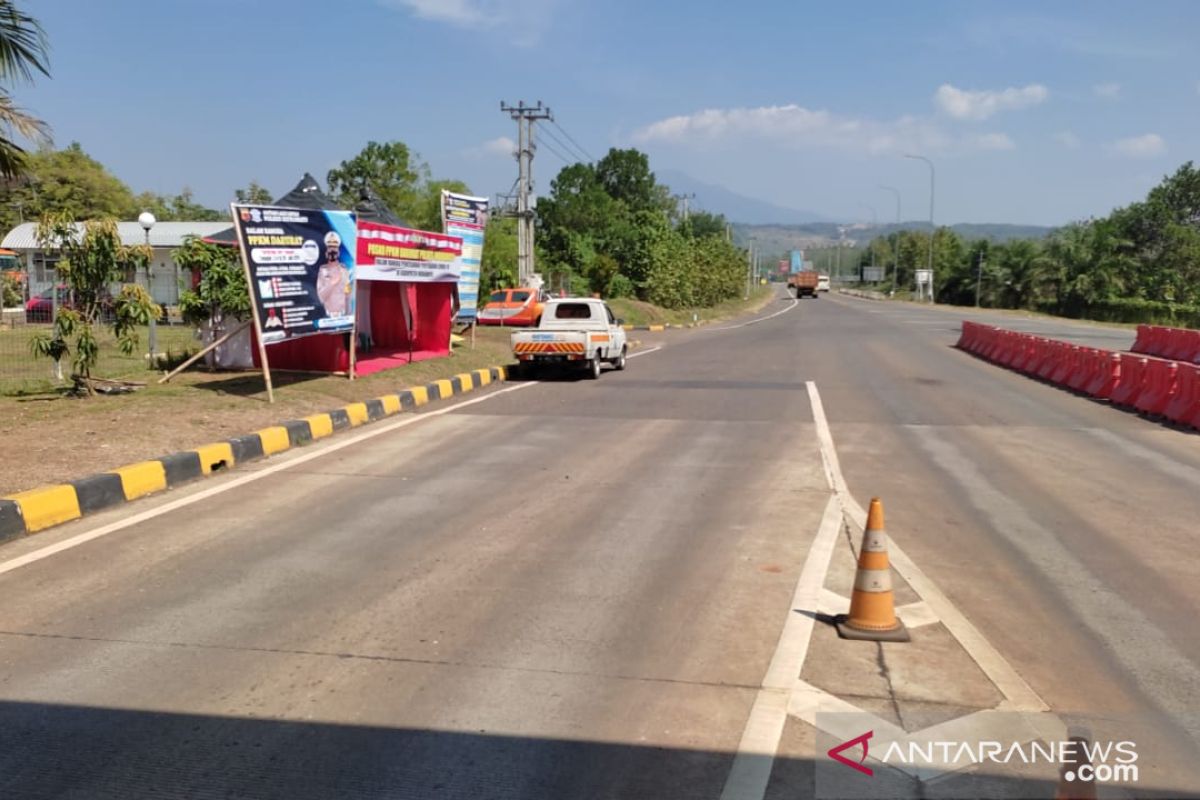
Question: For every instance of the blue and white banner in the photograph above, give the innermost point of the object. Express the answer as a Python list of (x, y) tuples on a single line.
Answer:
[(466, 217)]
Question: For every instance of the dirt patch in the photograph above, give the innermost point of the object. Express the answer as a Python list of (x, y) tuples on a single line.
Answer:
[(50, 438)]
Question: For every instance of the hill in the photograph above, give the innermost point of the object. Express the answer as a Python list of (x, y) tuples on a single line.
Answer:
[(736, 207), (782, 238)]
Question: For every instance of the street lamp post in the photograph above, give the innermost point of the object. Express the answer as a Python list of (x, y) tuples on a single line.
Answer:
[(932, 230), (896, 255), (147, 220)]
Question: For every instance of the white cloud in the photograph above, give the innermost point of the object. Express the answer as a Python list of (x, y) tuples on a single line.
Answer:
[(796, 126), (500, 146), (1067, 139), (1108, 91), (981, 104), (466, 13), (524, 21), (1148, 145)]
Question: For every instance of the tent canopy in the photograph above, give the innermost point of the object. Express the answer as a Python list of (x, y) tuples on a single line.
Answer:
[(307, 194)]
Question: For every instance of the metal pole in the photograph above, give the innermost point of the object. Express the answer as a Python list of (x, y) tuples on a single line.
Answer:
[(153, 336), (978, 279), (932, 230)]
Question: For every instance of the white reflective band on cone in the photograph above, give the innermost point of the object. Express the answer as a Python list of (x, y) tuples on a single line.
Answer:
[(873, 580), (874, 541)]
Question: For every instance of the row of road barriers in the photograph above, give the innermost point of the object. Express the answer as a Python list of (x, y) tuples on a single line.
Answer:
[(1162, 388)]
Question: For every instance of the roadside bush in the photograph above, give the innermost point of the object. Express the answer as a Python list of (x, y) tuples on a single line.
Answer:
[(620, 286), (1129, 310), (11, 295)]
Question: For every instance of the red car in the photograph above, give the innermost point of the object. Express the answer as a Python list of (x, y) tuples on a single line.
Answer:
[(40, 307)]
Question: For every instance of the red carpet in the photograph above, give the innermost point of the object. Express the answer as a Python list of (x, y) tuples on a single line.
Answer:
[(381, 358)]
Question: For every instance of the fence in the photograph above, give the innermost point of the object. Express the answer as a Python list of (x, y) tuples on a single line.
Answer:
[(23, 373)]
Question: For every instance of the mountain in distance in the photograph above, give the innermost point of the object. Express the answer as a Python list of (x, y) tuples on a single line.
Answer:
[(735, 207), (777, 239)]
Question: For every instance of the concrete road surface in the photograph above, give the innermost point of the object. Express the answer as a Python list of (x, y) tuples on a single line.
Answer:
[(574, 588)]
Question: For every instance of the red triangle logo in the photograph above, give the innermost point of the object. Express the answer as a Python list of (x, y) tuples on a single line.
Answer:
[(836, 753)]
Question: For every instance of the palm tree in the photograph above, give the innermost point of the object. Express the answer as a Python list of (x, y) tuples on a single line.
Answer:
[(22, 53)]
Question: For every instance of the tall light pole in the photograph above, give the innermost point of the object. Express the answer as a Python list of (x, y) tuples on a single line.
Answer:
[(147, 220), (896, 255), (931, 228)]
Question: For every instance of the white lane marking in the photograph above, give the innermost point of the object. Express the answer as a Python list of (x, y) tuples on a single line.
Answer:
[(320, 452), (644, 352), (1159, 669), (1016, 691), (795, 302), (751, 770), (1164, 464)]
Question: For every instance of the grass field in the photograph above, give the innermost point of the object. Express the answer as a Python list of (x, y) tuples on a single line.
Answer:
[(21, 373), (636, 312)]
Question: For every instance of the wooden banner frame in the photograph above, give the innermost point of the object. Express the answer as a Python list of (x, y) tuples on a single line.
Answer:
[(262, 347)]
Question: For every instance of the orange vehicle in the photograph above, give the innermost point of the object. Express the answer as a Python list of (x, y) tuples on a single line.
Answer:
[(517, 308)]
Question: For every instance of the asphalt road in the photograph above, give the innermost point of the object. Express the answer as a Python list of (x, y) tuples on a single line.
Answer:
[(574, 588)]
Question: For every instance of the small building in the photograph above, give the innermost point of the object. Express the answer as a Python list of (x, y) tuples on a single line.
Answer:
[(166, 279)]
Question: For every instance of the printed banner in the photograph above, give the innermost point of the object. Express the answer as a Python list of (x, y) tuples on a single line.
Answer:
[(388, 253), (466, 217), (797, 264), (300, 269)]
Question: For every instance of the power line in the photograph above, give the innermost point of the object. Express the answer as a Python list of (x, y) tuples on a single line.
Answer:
[(546, 144), (575, 156), (572, 140)]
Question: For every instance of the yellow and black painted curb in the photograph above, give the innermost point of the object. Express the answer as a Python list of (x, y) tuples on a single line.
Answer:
[(663, 327), (38, 509)]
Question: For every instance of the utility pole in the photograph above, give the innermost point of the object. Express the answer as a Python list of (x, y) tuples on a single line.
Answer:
[(525, 117), (979, 277), (686, 198), (749, 268)]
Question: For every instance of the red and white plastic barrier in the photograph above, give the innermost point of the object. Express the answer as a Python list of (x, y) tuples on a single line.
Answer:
[(1175, 344), (1155, 386)]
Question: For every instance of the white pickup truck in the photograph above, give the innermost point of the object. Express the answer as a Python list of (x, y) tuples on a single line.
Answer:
[(581, 331)]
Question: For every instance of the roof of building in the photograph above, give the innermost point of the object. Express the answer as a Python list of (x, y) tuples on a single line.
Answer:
[(163, 234)]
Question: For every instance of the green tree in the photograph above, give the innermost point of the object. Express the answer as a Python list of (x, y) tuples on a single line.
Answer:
[(426, 213), (390, 170), (221, 291), (626, 177), (67, 181), (498, 267), (702, 223), (22, 54), (254, 195), (92, 257)]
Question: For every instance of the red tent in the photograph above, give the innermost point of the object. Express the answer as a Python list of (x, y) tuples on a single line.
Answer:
[(398, 321)]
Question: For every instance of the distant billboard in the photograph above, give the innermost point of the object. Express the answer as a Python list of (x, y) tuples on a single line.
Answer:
[(797, 260), (783, 266), (872, 274)]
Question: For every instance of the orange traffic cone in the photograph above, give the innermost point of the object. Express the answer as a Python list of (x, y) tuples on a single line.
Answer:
[(872, 605)]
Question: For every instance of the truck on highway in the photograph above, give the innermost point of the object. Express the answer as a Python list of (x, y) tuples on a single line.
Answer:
[(804, 283), (572, 331)]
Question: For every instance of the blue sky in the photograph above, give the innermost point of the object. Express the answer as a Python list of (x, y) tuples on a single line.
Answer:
[(1033, 112)]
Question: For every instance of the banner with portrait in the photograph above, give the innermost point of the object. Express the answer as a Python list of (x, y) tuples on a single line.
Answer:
[(300, 268)]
